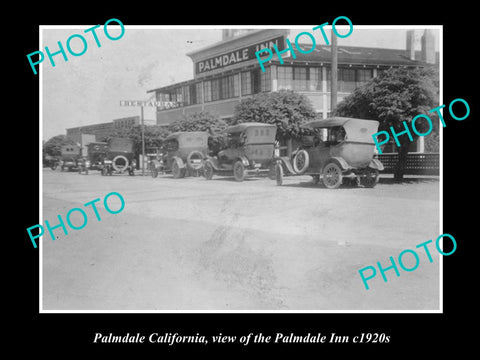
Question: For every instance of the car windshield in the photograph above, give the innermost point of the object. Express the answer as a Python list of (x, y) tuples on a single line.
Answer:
[(235, 139), (172, 145), (331, 135)]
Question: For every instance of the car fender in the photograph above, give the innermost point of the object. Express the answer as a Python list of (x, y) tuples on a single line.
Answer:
[(181, 163), (340, 162), (213, 161), (376, 164), (157, 164), (244, 160)]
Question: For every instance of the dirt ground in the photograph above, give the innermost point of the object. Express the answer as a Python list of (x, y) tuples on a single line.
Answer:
[(193, 244)]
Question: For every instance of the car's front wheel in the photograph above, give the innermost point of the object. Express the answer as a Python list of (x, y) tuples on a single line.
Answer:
[(370, 179), (208, 170), (239, 171), (279, 174)]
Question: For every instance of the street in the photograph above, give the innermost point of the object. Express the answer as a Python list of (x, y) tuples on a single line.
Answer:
[(193, 244)]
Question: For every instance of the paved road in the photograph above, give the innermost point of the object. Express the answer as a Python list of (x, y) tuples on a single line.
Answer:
[(193, 244)]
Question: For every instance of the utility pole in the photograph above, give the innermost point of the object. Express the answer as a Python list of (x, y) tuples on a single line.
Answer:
[(143, 142), (334, 72)]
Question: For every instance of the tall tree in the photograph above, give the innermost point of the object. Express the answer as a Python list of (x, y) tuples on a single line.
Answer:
[(285, 108), (52, 146), (396, 95)]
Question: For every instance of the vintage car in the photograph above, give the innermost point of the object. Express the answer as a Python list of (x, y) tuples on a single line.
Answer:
[(249, 150), (83, 164), (183, 154), (96, 153), (339, 149), (119, 157), (69, 156)]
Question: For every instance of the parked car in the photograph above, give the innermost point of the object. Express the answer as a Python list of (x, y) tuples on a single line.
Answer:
[(69, 156), (154, 158), (341, 148), (50, 161), (183, 153), (83, 164), (119, 157), (249, 150), (96, 153)]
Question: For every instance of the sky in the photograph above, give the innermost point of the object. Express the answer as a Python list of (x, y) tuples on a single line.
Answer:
[(87, 89)]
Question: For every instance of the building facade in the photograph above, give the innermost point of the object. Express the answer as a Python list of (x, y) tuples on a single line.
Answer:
[(102, 130), (226, 72)]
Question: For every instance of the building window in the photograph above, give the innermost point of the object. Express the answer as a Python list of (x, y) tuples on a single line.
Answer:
[(215, 89), (246, 83), (207, 90), (229, 86), (300, 78), (265, 80), (186, 95), (285, 77), (199, 92), (363, 76), (179, 94), (346, 80), (315, 83)]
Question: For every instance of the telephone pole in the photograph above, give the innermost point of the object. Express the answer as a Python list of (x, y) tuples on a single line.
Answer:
[(334, 72)]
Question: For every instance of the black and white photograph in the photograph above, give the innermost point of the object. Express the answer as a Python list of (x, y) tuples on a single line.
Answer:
[(249, 183)]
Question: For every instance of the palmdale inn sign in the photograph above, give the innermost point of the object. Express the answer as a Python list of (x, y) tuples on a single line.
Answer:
[(237, 56)]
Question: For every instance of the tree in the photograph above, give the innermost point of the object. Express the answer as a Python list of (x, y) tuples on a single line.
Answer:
[(52, 146), (199, 121), (285, 108), (396, 95)]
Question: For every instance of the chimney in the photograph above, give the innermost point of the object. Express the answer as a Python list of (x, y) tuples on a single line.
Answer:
[(411, 44), (428, 47)]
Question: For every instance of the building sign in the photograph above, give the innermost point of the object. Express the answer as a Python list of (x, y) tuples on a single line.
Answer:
[(151, 103), (237, 56)]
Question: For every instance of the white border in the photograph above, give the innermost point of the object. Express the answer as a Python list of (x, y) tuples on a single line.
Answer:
[(40, 244)]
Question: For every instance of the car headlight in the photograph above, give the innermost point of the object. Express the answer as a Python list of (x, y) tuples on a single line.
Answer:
[(87, 163)]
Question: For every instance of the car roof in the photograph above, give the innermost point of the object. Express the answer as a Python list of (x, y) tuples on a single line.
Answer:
[(356, 129), (245, 125), (177, 134)]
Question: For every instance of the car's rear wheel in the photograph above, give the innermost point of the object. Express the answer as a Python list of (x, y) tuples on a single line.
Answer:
[(271, 172), (239, 171), (279, 174), (208, 170), (177, 170), (332, 176)]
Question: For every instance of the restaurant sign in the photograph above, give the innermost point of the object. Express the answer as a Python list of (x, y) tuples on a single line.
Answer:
[(237, 56), (151, 103)]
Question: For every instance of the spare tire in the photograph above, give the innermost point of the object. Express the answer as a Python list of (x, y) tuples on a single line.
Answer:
[(120, 167), (195, 160), (301, 161)]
